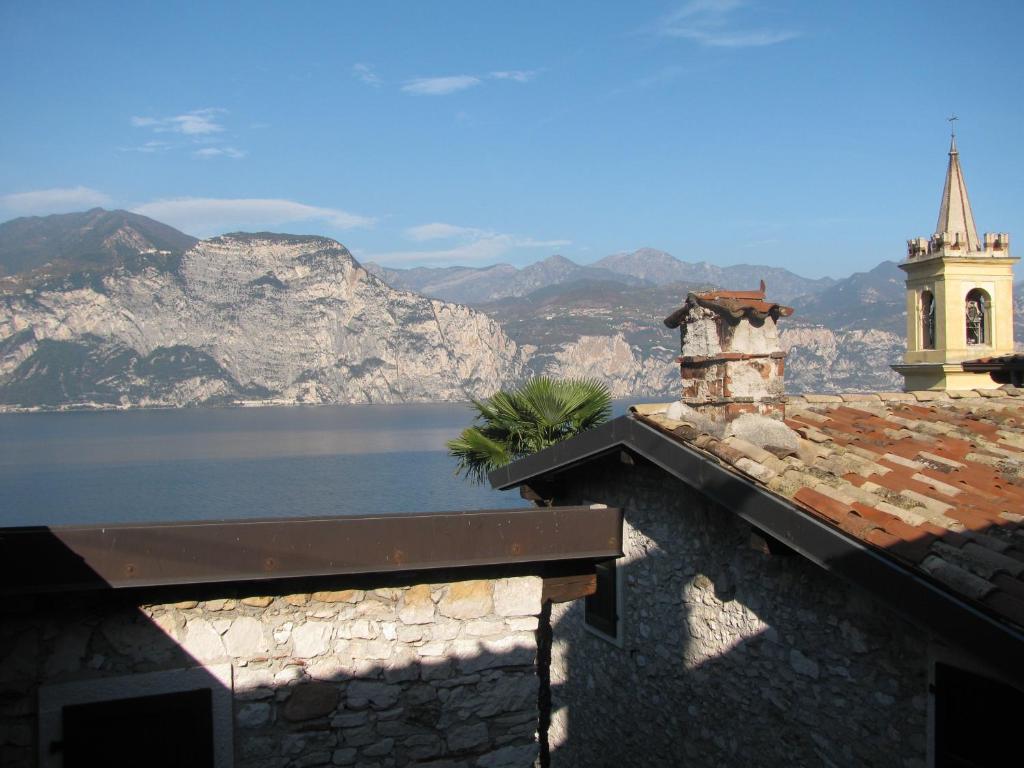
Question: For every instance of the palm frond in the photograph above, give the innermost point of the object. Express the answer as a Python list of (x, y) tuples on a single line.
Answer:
[(513, 424), (477, 454)]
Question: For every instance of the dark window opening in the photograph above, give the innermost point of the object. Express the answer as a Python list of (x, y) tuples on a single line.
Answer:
[(976, 719), (927, 320), (164, 731), (977, 310), (602, 607)]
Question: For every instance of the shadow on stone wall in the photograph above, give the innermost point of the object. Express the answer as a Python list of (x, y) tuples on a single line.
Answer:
[(731, 654), (325, 671)]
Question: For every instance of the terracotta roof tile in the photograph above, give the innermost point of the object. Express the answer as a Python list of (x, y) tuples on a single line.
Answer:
[(936, 485), (734, 304), (936, 482), (1010, 585), (957, 578), (1007, 605)]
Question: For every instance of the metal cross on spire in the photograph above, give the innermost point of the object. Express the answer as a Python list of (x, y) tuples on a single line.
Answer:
[(952, 125)]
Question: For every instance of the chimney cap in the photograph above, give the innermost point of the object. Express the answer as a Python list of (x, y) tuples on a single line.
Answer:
[(734, 305)]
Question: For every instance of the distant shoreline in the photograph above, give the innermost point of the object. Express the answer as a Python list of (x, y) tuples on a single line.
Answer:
[(253, 404), (240, 404)]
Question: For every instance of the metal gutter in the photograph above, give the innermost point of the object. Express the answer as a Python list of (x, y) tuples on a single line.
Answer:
[(40, 559), (910, 594)]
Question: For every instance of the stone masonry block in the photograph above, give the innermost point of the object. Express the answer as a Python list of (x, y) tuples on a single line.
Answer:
[(417, 606), (202, 641), (467, 737), (467, 600), (339, 596), (245, 638), (514, 650), (311, 639), (518, 596), (362, 693), (311, 700)]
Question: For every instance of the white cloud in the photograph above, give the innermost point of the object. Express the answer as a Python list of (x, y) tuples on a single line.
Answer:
[(149, 147), (529, 242), (199, 127), (365, 73), (220, 152), (518, 75), (206, 216), (438, 230), (198, 122), (712, 23), (477, 246), (59, 200), (440, 86)]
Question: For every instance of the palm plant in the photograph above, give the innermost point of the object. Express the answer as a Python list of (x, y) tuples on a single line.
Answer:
[(510, 425)]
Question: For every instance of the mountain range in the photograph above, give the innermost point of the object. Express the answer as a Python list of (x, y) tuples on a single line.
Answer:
[(644, 267), (241, 317), (112, 309)]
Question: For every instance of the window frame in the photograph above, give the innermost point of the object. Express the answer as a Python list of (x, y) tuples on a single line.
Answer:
[(942, 655), (613, 582), (217, 678), (985, 327), (927, 319)]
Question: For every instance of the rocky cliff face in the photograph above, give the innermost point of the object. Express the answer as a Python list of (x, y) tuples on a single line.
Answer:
[(615, 334), (267, 317), (823, 360), (818, 360), (627, 369)]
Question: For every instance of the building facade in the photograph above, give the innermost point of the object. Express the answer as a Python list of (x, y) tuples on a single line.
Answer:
[(959, 295), (830, 580), (381, 642)]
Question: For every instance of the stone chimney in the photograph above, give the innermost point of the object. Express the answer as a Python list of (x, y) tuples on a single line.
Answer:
[(731, 361)]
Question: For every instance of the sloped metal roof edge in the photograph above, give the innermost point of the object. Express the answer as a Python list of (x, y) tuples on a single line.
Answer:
[(920, 600), (41, 559), (561, 456)]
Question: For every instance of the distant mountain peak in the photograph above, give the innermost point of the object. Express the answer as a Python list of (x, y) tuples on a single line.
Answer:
[(662, 268), (97, 238), (559, 259)]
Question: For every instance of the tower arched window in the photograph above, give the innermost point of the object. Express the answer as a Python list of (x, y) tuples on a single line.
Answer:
[(978, 310), (927, 320)]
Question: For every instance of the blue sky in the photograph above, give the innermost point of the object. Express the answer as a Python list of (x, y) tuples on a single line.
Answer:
[(809, 135)]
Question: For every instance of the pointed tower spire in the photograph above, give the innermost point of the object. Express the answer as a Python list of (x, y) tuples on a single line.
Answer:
[(956, 221)]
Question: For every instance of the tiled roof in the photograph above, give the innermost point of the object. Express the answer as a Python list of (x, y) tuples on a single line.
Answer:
[(934, 480)]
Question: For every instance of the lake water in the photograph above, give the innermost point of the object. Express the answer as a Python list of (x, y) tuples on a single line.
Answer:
[(223, 463)]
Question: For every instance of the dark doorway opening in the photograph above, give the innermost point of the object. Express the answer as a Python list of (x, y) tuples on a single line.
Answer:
[(170, 729)]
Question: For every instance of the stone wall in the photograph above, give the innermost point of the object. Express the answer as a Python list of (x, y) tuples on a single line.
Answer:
[(730, 655), (436, 675)]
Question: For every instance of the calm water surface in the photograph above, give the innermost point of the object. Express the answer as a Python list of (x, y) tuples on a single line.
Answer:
[(221, 463)]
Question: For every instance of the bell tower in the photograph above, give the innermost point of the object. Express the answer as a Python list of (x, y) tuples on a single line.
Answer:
[(959, 295)]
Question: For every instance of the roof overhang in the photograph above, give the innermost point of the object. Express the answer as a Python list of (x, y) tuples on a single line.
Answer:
[(43, 559), (922, 601)]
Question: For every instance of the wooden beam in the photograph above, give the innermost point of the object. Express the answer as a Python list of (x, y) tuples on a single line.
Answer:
[(562, 589)]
